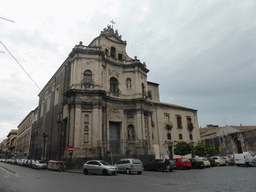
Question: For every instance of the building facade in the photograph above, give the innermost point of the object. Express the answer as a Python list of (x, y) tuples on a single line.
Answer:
[(230, 139), (100, 102), (24, 135)]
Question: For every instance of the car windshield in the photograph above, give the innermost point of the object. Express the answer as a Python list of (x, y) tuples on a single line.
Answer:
[(185, 160), (104, 163), (199, 159), (204, 159), (41, 161), (136, 161)]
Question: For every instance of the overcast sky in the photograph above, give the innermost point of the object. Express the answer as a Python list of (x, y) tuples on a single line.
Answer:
[(201, 52)]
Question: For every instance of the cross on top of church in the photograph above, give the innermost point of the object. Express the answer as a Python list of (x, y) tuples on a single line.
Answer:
[(112, 23)]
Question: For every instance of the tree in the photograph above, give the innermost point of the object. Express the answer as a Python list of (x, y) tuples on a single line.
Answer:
[(211, 151), (199, 150), (182, 148)]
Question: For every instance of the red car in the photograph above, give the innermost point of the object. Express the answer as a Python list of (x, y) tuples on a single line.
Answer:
[(182, 163)]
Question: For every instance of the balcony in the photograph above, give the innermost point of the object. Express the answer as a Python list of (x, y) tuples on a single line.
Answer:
[(190, 127)]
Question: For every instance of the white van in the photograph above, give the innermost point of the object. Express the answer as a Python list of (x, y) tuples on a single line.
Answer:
[(244, 159)]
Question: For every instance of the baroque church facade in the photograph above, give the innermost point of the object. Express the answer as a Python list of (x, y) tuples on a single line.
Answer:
[(100, 102)]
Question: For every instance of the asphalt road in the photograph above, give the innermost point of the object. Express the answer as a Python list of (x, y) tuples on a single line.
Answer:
[(14, 178)]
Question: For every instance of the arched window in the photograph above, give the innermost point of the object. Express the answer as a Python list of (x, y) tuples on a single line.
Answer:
[(180, 136), (169, 136), (128, 83), (190, 136), (130, 131), (113, 52), (87, 77), (113, 85)]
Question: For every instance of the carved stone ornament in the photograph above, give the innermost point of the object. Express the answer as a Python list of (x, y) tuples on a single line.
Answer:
[(113, 72), (114, 114), (88, 62)]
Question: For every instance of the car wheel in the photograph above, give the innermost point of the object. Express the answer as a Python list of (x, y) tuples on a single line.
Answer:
[(218, 164), (146, 168), (128, 171), (170, 170), (238, 165), (160, 169), (181, 167), (85, 171), (105, 172), (139, 172)]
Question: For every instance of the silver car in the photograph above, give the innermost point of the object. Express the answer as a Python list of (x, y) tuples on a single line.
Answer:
[(99, 167), (129, 166), (39, 164)]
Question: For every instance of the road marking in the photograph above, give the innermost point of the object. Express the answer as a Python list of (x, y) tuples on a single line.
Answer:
[(8, 169)]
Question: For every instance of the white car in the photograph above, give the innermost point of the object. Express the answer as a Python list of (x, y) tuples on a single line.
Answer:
[(99, 167), (39, 164), (129, 165), (219, 161), (205, 161)]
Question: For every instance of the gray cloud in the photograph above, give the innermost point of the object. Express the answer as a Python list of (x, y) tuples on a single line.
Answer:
[(202, 53)]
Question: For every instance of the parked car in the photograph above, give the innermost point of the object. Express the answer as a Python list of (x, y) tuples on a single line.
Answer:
[(99, 167), (39, 164), (30, 162), (206, 162), (229, 161), (197, 163), (129, 165), (212, 161), (172, 165), (159, 165), (219, 161), (182, 163), (244, 159)]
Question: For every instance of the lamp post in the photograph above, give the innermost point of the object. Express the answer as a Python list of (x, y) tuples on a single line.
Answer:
[(45, 137)]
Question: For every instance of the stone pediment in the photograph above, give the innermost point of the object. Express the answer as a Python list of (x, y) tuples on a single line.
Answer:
[(112, 35)]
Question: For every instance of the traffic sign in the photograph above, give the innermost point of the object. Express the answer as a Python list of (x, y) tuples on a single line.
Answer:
[(169, 152), (70, 149), (110, 149)]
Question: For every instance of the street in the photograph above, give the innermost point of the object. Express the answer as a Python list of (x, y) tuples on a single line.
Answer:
[(14, 178)]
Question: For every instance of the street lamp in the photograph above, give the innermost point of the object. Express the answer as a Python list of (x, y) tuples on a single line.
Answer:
[(45, 137)]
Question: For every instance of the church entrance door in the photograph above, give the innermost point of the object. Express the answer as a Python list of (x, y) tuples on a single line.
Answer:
[(114, 137)]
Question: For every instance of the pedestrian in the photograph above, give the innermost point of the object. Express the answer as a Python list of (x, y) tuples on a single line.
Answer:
[(167, 164)]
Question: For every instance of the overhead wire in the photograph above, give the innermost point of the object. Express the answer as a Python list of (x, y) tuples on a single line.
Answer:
[(21, 66)]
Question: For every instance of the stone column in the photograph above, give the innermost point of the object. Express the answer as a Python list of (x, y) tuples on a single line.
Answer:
[(77, 125), (71, 125), (139, 127)]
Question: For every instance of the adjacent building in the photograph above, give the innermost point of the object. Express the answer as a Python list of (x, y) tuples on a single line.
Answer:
[(230, 139), (24, 135)]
